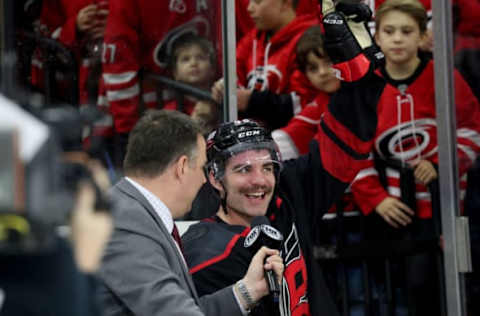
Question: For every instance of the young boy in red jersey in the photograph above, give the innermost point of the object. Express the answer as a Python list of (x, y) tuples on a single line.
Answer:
[(192, 62), (314, 82), (407, 107)]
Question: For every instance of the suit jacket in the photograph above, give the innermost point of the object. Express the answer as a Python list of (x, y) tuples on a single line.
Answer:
[(142, 272)]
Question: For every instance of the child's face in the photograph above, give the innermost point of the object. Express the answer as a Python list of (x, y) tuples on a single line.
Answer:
[(321, 74), (399, 37), (193, 66), (266, 14)]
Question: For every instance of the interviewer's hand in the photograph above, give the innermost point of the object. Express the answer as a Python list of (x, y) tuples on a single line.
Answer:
[(254, 279), (395, 212)]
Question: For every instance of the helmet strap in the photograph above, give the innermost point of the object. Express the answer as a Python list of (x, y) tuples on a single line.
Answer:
[(223, 200)]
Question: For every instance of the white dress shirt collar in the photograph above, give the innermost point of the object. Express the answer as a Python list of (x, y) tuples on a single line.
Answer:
[(158, 206)]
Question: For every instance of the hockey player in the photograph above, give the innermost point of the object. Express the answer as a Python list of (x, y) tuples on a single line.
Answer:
[(245, 168)]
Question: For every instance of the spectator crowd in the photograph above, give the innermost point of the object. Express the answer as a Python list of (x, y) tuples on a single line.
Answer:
[(335, 144)]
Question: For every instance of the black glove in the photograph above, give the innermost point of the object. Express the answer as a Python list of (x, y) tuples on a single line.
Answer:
[(354, 10), (348, 41)]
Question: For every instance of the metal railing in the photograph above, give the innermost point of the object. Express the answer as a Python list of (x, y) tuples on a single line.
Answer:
[(389, 249)]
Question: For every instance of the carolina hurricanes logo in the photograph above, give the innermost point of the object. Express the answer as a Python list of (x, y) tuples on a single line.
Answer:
[(294, 301), (408, 140), (264, 78)]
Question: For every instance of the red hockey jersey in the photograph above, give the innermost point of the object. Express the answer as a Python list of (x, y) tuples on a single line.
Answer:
[(407, 131), (264, 63), (138, 36)]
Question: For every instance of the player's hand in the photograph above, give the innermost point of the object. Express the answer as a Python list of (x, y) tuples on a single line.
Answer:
[(395, 212), (347, 41), (425, 172)]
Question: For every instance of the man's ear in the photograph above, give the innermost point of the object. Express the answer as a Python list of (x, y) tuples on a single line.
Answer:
[(214, 182), (181, 166)]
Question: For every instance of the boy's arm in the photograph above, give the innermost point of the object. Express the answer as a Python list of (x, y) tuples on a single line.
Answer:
[(293, 139), (367, 190)]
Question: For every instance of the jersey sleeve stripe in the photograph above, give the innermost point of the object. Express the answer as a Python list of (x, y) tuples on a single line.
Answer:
[(120, 78), (123, 94), (341, 144)]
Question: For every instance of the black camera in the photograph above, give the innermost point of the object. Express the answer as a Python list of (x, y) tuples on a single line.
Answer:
[(38, 185)]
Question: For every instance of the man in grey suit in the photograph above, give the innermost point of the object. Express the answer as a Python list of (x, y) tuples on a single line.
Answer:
[(143, 271)]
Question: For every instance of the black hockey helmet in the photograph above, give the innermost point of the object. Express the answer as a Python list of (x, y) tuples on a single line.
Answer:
[(232, 138)]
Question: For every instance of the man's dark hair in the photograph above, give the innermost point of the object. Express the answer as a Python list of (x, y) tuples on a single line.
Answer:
[(312, 40), (158, 139), (188, 40)]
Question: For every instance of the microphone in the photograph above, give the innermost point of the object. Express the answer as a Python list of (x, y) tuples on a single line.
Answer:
[(262, 234)]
